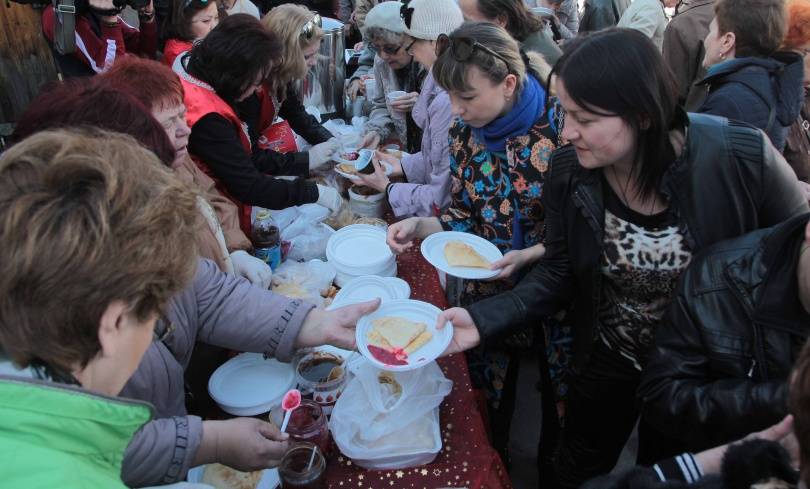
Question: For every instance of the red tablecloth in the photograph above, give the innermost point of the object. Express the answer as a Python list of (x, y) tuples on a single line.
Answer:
[(467, 459)]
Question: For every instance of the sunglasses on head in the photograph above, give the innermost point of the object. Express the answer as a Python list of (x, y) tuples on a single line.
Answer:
[(463, 48), (406, 13), (187, 3), (308, 30)]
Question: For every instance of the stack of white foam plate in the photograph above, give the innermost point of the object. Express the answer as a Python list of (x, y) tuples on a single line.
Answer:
[(370, 287), (360, 249), (248, 384)]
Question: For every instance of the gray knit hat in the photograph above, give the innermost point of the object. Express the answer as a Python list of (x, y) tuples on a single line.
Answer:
[(386, 16), (431, 18)]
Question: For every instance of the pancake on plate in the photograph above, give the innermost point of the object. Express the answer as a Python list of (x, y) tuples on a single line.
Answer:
[(223, 477), (460, 254), (395, 333)]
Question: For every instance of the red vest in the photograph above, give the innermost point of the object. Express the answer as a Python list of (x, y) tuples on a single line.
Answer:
[(200, 101), (173, 49)]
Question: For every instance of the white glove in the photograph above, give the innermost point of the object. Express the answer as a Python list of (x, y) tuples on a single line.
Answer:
[(320, 154), (247, 266), (329, 198)]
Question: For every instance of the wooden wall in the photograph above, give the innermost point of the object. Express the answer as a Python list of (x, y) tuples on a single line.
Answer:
[(26, 62)]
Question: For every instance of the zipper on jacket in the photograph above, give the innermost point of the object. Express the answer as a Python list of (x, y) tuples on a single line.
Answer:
[(751, 370), (758, 347)]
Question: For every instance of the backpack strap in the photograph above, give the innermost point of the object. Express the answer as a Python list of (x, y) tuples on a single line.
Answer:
[(65, 26)]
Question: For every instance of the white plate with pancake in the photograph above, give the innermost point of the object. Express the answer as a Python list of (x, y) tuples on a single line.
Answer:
[(345, 170), (468, 247), (403, 324), (223, 477)]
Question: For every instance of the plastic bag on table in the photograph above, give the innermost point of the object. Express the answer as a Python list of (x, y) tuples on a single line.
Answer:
[(390, 417), (308, 280), (311, 243)]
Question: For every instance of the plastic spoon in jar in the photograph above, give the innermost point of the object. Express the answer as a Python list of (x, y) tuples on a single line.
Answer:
[(291, 401), (312, 457)]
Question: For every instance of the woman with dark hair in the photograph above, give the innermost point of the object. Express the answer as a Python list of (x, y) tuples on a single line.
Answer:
[(224, 69), (748, 79), (640, 189), (513, 15), (188, 21)]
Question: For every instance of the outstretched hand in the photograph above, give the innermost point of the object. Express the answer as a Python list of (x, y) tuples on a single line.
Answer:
[(465, 333)]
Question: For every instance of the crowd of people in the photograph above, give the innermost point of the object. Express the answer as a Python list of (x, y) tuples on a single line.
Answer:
[(644, 175)]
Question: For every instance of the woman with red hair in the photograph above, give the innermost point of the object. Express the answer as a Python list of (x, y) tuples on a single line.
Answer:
[(161, 91), (797, 147)]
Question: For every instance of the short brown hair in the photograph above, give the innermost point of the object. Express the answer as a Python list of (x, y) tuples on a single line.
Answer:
[(758, 25), (151, 82), (86, 218)]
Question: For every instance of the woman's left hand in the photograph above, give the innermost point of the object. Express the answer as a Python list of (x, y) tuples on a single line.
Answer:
[(396, 163), (515, 260), (377, 180)]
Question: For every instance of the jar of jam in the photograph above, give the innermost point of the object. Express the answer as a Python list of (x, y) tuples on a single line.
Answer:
[(308, 424), (296, 471)]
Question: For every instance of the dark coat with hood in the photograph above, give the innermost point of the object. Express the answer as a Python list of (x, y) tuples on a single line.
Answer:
[(766, 93)]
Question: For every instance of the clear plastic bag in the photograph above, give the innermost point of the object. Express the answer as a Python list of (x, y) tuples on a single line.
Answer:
[(386, 420), (310, 280)]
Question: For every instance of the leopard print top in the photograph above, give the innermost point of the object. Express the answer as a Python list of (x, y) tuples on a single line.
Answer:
[(642, 258)]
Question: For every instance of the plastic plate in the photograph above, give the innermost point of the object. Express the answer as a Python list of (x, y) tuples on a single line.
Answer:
[(433, 251)]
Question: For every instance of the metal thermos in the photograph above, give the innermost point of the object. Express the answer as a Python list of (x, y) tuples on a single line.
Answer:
[(323, 86)]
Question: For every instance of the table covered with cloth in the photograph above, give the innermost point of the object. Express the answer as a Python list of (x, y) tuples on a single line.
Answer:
[(467, 459)]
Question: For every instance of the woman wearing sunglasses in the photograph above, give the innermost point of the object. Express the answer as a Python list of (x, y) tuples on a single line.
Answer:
[(222, 77), (394, 70), (426, 189), (640, 189), (300, 32), (189, 21)]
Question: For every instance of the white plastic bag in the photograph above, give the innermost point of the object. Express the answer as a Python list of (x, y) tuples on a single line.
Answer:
[(310, 280), (380, 426)]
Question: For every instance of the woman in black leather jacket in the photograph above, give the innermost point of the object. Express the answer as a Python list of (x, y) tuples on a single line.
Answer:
[(640, 189)]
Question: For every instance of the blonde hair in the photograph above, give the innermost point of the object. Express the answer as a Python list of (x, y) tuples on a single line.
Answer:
[(87, 217), (287, 22), (451, 74)]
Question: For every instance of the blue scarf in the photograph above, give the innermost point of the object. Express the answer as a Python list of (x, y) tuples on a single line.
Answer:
[(517, 122)]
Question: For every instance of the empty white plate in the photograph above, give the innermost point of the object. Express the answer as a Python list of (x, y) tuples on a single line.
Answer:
[(247, 384), (414, 311), (359, 249), (369, 287), (433, 251)]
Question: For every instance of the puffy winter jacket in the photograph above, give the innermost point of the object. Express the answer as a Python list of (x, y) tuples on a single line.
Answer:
[(764, 92)]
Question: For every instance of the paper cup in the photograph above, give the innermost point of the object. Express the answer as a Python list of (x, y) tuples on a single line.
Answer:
[(390, 97)]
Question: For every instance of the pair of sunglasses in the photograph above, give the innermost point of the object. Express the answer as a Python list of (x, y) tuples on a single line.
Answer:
[(463, 48), (308, 30), (387, 49), (406, 13), (187, 3)]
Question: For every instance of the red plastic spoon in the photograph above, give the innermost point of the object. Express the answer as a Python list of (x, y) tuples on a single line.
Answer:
[(291, 401)]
